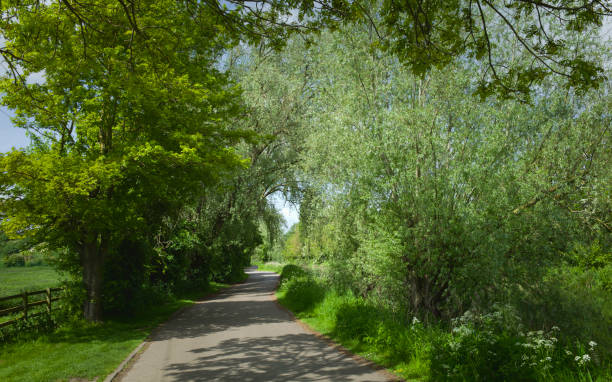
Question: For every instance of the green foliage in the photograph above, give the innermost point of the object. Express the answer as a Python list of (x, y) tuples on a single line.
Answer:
[(123, 134), (269, 267), (433, 198), (593, 256), (291, 271), (24, 330), (301, 292), (292, 250), (478, 346), (159, 138), (575, 300), (484, 347)]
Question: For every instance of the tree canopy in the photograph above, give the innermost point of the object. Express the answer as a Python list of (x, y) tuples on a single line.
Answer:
[(160, 128)]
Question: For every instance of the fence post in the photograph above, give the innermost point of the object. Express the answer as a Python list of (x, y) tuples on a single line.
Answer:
[(48, 296), (25, 305)]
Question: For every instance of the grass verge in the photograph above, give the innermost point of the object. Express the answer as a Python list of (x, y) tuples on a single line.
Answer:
[(84, 350), (487, 347)]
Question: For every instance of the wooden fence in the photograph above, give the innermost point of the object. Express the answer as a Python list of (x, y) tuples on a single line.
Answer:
[(27, 303)]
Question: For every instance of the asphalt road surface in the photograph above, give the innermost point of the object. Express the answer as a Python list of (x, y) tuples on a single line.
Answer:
[(242, 335)]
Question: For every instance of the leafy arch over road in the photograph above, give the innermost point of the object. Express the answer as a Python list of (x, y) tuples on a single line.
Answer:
[(135, 119)]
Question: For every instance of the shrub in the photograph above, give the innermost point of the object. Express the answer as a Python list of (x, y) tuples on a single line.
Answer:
[(300, 291), (301, 294), (30, 328), (291, 271), (575, 299)]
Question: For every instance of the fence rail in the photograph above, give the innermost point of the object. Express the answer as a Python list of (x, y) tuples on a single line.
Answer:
[(26, 304)]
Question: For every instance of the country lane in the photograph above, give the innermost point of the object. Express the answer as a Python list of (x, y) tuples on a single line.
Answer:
[(243, 335)]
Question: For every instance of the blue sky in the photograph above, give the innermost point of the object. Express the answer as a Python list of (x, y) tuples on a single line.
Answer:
[(288, 210), (10, 136)]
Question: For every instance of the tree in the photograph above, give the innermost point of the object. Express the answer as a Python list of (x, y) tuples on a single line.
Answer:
[(436, 202), (428, 34), (129, 121)]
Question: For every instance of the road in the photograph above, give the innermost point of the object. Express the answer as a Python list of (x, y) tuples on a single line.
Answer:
[(242, 335)]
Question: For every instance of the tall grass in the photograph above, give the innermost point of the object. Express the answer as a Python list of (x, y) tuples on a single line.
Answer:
[(475, 347)]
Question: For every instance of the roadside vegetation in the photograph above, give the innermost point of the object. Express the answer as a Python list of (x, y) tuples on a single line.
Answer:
[(77, 349), (450, 159), (493, 346)]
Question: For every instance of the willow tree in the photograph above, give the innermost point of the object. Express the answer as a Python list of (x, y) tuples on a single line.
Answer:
[(127, 123), (425, 197)]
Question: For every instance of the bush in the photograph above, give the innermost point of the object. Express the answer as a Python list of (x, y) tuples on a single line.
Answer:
[(30, 328), (301, 292), (292, 271), (14, 260), (402, 342), (27, 258)]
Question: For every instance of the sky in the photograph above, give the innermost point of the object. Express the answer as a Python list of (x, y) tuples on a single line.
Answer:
[(10, 136), (287, 209)]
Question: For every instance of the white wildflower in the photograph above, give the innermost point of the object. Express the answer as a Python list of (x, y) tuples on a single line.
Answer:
[(582, 360), (555, 328), (592, 344)]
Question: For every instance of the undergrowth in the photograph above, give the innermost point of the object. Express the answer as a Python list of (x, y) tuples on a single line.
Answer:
[(474, 347)]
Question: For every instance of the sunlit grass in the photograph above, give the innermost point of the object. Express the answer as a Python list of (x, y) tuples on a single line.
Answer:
[(15, 280), (269, 267), (84, 350)]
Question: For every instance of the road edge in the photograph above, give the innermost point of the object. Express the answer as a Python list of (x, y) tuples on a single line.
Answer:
[(126, 364), (332, 343)]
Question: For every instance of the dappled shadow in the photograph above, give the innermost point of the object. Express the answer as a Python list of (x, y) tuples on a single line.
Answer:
[(242, 305), (290, 357), (242, 334)]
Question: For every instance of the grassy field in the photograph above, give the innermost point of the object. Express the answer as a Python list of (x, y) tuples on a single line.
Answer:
[(18, 279), (82, 350)]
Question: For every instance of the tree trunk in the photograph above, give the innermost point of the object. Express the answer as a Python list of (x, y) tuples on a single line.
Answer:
[(92, 260)]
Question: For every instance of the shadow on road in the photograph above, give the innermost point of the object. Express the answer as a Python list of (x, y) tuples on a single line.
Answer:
[(242, 335), (291, 357), (243, 305)]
